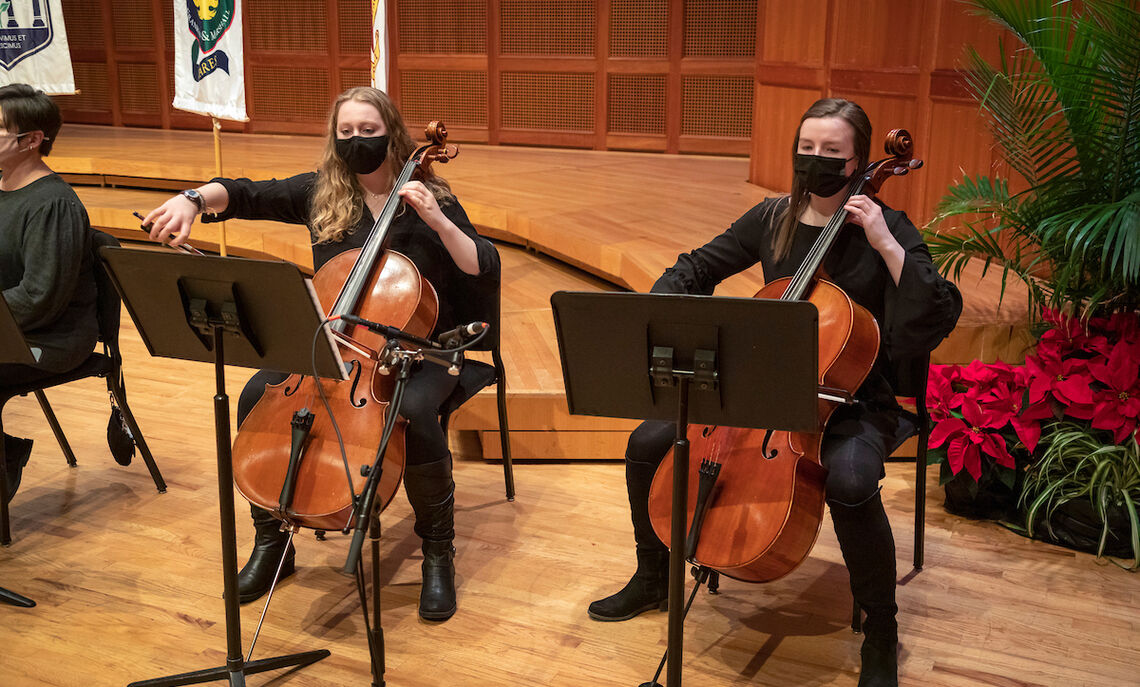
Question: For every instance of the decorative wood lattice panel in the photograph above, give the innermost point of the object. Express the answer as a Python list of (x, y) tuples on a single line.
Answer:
[(716, 106), (639, 28), (94, 89), (556, 101), (351, 78), (720, 28), (289, 94), (442, 26), (132, 26), (167, 24), (456, 98), (297, 25), (636, 104), (547, 27), (83, 20), (354, 26), (138, 88)]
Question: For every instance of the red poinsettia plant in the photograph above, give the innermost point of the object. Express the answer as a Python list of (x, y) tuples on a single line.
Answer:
[(989, 417)]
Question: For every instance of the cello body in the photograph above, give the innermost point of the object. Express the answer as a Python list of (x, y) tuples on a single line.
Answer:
[(397, 294), (765, 513)]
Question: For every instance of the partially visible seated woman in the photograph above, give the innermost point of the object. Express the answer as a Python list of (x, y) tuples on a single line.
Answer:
[(45, 253)]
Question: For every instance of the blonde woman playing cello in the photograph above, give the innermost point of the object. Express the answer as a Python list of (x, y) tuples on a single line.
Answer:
[(366, 147)]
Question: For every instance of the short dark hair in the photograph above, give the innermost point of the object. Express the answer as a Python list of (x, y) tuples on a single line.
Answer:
[(29, 109)]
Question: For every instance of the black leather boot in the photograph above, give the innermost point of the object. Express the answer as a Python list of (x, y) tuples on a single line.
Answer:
[(649, 587), (868, 548), (431, 491), (16, 454), (256, 577)]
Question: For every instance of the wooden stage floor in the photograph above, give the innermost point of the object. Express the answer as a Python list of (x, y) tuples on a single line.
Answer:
[(128, 581), (622, 217)]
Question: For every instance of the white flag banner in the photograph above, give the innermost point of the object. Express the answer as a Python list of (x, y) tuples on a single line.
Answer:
[(379, 45), (209, 66), (33, 46)]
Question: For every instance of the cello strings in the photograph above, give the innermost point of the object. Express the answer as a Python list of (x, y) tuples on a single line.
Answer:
[(328, 407), (358, 276)]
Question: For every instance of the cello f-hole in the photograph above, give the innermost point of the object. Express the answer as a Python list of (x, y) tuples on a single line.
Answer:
[(289, 392), (764, 447), (355, 372)]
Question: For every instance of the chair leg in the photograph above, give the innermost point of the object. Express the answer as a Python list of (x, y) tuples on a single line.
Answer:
[(920, 499), (59, 436), (5, 533), (504, 429), (120, 395)]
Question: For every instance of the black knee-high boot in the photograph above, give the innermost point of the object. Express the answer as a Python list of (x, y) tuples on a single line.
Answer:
[(868, 547), (431, 491), (255, 578), (649, 586)]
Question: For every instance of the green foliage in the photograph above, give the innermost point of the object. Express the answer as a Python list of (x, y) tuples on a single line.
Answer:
[(1079, 462), (1064, 107)]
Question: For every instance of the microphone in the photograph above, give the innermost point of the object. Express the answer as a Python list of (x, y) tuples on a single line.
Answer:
[(461, 334), (388, 332), (369, 324)]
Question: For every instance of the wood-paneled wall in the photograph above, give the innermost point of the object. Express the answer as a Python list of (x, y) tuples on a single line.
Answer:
[(899, 60), (689, 76), (298, 55)]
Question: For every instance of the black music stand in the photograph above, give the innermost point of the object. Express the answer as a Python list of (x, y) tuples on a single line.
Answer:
[(751, 363), (248, 313), (13, 349)]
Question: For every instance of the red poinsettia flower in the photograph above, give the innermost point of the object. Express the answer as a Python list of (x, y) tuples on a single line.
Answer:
[(1117, 406), (1066, 334), (1005, 406), (1065, 379), (941, 397), (967, 438)]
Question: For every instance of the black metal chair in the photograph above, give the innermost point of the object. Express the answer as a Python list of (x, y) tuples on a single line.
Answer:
[(910, 380), (107, 364), (476, 375)]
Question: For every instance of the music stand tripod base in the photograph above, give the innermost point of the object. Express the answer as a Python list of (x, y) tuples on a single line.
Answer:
[(225, 311)]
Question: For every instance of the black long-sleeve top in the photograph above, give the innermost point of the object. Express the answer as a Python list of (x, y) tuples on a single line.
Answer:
[(46, 270), (913, 316), (463, 297)]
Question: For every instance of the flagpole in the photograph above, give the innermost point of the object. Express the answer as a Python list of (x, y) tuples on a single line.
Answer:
[(218, 173)]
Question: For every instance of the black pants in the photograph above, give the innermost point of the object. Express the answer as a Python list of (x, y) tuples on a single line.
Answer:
[(427, 389)]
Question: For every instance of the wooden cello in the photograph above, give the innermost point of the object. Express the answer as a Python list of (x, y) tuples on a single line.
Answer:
[(762, 515), (287, 458)]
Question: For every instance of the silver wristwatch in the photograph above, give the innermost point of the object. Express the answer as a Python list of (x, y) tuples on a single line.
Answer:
[(194, 197)]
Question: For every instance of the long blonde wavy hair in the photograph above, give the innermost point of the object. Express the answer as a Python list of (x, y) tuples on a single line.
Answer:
[(338, 201)]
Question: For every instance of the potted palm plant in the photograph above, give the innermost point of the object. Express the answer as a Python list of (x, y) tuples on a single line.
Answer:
[(1064, 108)]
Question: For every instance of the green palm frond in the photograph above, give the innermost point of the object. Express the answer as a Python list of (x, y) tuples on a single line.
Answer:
[(1064, 108)]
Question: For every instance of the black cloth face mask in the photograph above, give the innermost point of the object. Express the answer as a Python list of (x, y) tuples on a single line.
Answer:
[(822, 176), (363, 154)]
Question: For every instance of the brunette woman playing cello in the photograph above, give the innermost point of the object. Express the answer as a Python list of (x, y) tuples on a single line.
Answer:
[(883, 265), (367, 146)]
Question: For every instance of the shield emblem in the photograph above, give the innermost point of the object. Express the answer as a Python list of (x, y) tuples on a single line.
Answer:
[(25, 29), (209, 20)]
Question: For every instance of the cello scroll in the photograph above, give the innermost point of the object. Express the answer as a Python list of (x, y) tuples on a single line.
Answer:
[(900, 147)]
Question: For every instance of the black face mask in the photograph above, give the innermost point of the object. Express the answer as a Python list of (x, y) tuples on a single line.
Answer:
[(363, 154), (822, 176)]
